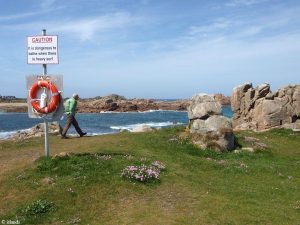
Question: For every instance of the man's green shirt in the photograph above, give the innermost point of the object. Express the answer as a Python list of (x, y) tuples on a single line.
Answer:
[(70, 106)]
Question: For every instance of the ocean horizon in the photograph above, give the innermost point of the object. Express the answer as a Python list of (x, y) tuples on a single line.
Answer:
[(104, 122)]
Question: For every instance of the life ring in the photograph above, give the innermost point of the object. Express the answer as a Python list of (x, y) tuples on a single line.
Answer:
[(55, 99)]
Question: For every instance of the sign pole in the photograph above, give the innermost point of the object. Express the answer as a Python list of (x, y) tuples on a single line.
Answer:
[(43, 49), (45, 120)]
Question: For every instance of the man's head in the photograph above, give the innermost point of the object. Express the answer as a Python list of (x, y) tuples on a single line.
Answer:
[(75, 96)]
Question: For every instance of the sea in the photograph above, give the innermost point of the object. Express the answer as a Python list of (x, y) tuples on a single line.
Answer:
[(102, 123)]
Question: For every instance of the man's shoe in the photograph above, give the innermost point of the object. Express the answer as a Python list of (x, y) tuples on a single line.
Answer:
[(64, 137), (83, 134)]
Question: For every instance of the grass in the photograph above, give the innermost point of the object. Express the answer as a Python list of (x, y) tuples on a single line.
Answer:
[(197, 187)]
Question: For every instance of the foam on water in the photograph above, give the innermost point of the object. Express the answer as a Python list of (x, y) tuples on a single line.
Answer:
[(91, 134), (7, 134), (102, 123), (138, 112), (150, 124)]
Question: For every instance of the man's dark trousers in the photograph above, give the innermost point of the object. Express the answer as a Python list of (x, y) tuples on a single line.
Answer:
[(71, 120)]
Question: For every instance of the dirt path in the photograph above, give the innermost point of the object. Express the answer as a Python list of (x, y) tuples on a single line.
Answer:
[(16, 159)]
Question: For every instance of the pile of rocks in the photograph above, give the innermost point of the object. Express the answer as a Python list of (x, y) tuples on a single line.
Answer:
[(259, 109), (207, 126), (36, 131)]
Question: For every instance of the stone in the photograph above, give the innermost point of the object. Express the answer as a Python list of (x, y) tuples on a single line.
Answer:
[(218, 122), (173, 140), (255, 143), (246, 149), (48, 180), (237, 94), (262, 90), (202, 106), (142, 128), (62, 155), (222, 99), (197, 126), (259, 109), (118, 103), (37, 131), (208, 128), (270, 96)]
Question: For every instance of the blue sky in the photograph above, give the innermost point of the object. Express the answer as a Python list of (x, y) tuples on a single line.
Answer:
[(154, 48)]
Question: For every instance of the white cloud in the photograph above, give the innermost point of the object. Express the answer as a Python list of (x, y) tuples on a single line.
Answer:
[(217, 25), (235, 3), (243, 25), (249, 31), (18, 16), (47, 3), (84, 29), (24, 15)]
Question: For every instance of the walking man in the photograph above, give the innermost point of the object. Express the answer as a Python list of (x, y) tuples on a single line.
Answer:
[(70, 111)]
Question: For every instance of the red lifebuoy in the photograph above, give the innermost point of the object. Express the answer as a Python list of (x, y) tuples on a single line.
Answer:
[(55, 99)]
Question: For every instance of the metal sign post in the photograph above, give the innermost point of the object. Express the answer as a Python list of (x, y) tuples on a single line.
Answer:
[(45, 119), (43, 50)]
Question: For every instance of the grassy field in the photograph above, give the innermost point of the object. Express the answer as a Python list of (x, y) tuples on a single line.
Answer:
[(197, 187)]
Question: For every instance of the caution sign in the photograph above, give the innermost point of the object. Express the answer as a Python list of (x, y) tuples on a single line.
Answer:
[(42, 50)]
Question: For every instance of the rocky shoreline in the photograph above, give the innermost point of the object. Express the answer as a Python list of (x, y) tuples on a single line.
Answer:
[(261, 109), (117, 103)]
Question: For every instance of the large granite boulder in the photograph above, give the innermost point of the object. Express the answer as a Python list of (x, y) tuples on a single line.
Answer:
[(202, 106), (260, 109), (207, 126), (222, 99)]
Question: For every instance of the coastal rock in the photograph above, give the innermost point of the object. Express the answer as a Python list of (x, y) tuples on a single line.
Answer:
[(118, 103), (259, 109), (37, 131), (222, 99), (142, 128), (239, 93), (262, 90), (208, 128), (202, 106)]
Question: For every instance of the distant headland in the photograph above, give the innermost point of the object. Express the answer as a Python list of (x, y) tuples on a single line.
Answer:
[(113, 102)]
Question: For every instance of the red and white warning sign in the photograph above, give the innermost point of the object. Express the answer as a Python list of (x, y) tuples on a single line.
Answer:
[(42, 50)]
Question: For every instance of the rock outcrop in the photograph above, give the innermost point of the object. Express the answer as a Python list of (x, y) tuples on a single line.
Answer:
[(259, 109), (116, 103), (207, 126), (222, 99), (36, 131), (120, 104)]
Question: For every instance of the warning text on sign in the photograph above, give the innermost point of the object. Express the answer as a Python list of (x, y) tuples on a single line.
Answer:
[(42, 50)]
